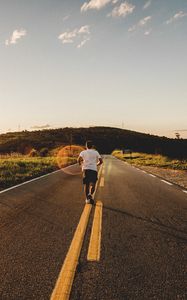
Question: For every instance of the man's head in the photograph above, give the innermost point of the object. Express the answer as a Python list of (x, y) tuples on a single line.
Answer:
[(89, 144)]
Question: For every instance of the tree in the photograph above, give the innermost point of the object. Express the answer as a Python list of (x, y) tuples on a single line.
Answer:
[(177, 135), (44, 152)]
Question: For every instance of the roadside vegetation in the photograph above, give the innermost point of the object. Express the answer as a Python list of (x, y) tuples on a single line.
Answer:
[(16, 168), (152, 160), (28, 154), (105, 139)]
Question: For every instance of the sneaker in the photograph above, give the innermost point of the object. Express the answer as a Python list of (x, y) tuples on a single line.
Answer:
[(87, 201), (91, 199)]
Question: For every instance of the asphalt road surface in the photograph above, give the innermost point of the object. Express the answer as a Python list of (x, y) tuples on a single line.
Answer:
[(143, 237)]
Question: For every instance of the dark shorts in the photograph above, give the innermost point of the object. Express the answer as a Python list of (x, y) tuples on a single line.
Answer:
[(89, 176)]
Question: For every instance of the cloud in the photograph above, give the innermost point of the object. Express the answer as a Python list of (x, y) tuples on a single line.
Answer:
[(148, 32), (41, 127), (144, 21), (122, 10), (82, 43), (84, 29), (16, 35), (94, 4), (82, 35), (147, 4), (66, 18), (132, 28), (176, 17), (141, 23), (68, 37)]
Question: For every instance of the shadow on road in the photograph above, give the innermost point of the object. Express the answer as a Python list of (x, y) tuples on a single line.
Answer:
[(151, 222)]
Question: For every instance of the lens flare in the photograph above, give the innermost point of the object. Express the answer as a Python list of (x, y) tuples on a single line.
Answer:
[(67, 159)]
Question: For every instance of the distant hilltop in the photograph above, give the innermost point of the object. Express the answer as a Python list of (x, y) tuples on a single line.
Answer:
[(105, 139)]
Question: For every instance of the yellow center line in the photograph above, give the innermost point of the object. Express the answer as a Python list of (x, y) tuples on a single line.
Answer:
[(65, 280), (102, 182), (95, 239)]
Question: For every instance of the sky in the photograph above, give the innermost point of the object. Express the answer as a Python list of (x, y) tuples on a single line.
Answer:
[(94, 63)]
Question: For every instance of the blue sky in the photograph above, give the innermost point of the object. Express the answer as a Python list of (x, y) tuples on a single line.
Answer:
[(100, 62)]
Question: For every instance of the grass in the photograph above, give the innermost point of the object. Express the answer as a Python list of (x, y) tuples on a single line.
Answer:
[(15, 169), (154, 160)]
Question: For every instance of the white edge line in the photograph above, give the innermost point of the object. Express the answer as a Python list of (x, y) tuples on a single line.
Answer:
[(28, 181), (34, 179), (152, 175), (166, 182)]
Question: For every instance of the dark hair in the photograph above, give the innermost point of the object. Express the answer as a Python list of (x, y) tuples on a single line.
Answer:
[(89, 144)]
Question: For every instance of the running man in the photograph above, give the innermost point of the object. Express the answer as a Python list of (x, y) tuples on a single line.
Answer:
[(89, 159)]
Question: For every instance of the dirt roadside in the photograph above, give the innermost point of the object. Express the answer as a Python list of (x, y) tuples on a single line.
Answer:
[(176, 176)]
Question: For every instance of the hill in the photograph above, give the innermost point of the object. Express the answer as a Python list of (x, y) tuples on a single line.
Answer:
[(105, 139)]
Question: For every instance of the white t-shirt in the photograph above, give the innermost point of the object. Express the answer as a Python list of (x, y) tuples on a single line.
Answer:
[(90, 159)]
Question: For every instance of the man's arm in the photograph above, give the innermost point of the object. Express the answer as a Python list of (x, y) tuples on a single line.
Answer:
[(100, 162), (80, 160)]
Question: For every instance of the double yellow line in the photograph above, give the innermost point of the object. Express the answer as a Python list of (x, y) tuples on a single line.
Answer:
[(65, 279), (95, 239)]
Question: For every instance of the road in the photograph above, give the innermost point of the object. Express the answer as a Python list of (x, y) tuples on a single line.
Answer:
[(142, 246)]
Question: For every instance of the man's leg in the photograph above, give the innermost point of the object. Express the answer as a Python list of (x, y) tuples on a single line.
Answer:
[(88, 195), (86, 183), (87, 189), (89, 186), (92, 188)]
